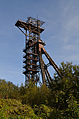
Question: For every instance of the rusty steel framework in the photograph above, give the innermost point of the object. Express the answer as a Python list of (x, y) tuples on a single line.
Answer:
[(34, 49)]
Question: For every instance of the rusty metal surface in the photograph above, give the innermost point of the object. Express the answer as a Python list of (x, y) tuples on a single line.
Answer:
[(33, 51), (26, 26)]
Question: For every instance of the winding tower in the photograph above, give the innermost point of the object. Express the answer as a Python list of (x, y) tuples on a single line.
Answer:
[(34, 49)]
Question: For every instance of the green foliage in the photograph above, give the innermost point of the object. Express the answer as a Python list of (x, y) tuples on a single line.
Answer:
[(35, 95), (58, 101), (64, 98), (8, 90), (13, 109), (42, 111)]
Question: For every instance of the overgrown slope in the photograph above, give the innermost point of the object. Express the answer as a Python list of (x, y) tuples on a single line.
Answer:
[(58, 101)]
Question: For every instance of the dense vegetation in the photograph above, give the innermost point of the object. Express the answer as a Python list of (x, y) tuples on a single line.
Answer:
[(60, 100)]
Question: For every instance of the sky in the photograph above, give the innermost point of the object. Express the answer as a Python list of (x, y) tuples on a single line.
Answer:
[(61, 33)]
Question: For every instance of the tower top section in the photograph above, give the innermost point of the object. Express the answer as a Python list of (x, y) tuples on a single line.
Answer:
[(32, 24), (35, 22)]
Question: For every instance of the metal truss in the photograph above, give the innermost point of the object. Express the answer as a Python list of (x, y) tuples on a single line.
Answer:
[(33, 51)]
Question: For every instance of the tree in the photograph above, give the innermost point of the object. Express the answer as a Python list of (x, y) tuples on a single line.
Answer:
[(8, 90), (65, 92)]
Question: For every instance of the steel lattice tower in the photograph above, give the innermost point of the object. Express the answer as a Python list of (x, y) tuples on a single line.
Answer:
[(34, 49)]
